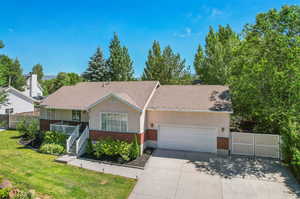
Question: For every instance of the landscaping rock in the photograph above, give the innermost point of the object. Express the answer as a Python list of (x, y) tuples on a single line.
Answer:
[(5, 184)]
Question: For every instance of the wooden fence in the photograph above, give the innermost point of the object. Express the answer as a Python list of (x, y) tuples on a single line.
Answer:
[(14, 119), (262, 145)]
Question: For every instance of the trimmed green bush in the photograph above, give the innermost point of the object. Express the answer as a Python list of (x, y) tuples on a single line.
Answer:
[(54, 149), (53, 137), (115, 148)]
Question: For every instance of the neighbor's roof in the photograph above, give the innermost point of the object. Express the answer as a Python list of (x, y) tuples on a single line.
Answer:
[(86, 94), (194, 98), (12, 89)]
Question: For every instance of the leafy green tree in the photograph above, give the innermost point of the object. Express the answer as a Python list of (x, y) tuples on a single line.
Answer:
[(38, 70), (166, 66), (12, 72), (214, 67), (119, 62), (3, 95), (62, 79), (265, 75), (98, 69)]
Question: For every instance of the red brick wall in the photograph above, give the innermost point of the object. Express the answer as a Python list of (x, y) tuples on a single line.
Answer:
[(128, 137), (222, 143), (151, 134)]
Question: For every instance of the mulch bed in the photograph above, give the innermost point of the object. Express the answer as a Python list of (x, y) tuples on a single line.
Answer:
[(139, 162), (30, 142)]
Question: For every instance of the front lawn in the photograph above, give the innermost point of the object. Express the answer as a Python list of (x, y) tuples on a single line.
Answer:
[(29, 169)]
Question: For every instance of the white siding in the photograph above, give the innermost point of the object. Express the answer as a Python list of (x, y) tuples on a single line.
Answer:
[(18, 102)]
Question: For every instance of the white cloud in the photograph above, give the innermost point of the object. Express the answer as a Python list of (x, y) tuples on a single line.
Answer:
[(215, 12), (186, 33)]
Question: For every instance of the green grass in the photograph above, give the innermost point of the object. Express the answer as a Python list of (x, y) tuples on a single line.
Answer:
[(29, 169)]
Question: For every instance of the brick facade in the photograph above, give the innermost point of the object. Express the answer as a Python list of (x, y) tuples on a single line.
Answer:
[(151, 134), (128, 137), (222, 143)]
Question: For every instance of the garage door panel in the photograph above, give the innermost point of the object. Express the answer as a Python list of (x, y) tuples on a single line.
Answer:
[(187, 138)]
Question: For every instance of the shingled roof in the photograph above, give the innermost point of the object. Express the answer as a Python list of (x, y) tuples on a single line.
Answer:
[(85, 94), (194, 98)]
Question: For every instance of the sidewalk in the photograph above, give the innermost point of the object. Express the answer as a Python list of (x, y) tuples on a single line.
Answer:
[(100, 167)]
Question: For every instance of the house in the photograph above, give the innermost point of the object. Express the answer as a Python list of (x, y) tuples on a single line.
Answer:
[(180, 117), (33, 88), (17, 102)]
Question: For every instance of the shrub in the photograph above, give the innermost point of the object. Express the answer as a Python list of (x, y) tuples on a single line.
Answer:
[(117, 148), (54, 149), (4, 193), (22, 127), (53, 137), (135, 149), (89, 147), (28, 129)]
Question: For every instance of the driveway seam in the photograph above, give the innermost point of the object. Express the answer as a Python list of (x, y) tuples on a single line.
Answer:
[(177, 186)]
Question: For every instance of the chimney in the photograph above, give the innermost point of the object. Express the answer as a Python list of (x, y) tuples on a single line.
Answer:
[(33, 85)]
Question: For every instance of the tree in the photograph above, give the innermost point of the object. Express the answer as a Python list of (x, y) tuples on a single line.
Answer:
[(12, 72), (119, 61), (98, 69), (38, 70), (166, 67), (265, 75), (3, 94), (62, 79), (198, 60), (1, 44), (214, 68)]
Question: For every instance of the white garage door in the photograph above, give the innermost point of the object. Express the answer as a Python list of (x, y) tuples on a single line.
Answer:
[(187, 138)]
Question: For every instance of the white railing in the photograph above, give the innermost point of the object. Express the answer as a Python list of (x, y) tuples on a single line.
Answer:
[(67, 129), (81, 140), (72, 138)]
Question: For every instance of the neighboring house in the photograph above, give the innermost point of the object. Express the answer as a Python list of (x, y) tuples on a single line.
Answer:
[(180, 117), (33, 88), (17, 102)]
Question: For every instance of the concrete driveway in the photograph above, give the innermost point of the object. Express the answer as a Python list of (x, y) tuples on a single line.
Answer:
[(188, 175)]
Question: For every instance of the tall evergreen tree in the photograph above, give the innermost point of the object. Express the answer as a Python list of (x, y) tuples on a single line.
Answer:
[(198, 60), (119, 61), (219, 54), (153, 69), (38, 70), (166, 67), (98, 69)]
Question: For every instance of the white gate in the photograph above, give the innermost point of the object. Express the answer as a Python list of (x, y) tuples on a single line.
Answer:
[(264, 145)]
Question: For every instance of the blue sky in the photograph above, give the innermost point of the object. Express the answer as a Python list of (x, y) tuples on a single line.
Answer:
[(62, 35)]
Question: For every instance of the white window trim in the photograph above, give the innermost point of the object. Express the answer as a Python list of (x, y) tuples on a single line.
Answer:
[(100, 117)]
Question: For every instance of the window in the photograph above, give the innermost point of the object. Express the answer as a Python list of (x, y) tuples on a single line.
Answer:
[(9, 110), (114, 122), (76, 115)]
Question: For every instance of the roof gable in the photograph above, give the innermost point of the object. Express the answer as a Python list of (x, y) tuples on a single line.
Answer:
[(84, 95)]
